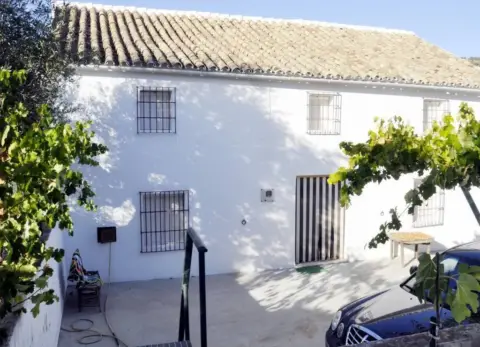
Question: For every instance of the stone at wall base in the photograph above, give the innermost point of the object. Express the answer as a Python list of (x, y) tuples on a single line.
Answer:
[(459, 336)]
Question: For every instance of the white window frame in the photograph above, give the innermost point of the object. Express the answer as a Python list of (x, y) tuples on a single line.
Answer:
[(431, 114), (324, 119), (432, 212)]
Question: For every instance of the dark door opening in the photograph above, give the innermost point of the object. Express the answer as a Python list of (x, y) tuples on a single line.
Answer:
[(319, 220)]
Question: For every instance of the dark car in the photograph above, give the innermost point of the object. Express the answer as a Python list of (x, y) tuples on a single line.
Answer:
[(396, 311)]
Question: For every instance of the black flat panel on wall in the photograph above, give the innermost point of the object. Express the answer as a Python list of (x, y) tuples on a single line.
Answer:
[(106, 234)]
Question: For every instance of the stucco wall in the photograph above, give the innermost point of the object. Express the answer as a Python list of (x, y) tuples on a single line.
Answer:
[(233, 139), (43, 331)]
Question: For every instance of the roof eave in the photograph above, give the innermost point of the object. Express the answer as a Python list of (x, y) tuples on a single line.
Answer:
[(271, 77)]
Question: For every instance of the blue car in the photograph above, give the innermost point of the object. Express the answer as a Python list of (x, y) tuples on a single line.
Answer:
[(397, 311)]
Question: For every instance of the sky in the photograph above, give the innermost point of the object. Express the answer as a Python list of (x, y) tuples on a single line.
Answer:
[(453, 25)]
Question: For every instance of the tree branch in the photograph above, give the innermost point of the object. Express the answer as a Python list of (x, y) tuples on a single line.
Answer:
[(471, 203), (26, 299)]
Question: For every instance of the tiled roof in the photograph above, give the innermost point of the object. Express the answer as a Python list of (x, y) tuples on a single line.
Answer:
[(106, 35)]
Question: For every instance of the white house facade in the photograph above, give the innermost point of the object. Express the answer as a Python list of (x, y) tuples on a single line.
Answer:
[(231, 126)]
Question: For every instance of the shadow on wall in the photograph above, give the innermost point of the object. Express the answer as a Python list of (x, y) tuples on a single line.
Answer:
[(228, 146)]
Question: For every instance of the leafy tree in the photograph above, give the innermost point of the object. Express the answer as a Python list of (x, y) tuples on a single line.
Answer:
[(447, 157), (37, 147), (29, 41), (37, 181)]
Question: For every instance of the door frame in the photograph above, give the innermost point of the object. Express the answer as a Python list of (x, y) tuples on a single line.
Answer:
[(342, 233)]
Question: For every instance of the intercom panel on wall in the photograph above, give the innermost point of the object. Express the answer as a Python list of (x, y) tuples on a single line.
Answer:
[(267, 195)]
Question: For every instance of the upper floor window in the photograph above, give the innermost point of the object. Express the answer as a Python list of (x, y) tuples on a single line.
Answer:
[(434, 110), (156, 110), (431, 212), (324, 114)]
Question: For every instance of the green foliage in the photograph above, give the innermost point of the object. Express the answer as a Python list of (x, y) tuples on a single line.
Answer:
[(461, 296), (36, 182), (29, 42), (446, 156), (37, 148)]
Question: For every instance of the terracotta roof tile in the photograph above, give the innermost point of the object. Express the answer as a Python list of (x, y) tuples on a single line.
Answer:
[(96, 34), (94, 37)]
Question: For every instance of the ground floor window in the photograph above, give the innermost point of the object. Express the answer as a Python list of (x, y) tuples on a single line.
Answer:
[(164, 218), (431, 212)]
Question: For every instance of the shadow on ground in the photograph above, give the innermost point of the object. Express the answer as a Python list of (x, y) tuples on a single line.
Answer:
[(270, 309)]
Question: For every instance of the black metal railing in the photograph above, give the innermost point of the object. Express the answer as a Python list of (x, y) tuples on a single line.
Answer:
[(192, 239)]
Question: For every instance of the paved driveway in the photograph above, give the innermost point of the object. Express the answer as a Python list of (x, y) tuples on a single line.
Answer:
[(270, 309)]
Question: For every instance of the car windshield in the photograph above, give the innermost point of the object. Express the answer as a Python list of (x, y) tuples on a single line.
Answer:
[(450, 265)]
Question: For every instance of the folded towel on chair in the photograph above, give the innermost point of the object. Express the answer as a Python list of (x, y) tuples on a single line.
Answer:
[(79, 274)]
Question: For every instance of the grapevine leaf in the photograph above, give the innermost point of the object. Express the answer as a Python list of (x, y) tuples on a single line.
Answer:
[(5, 134), (465, 300), (463, 268), (36, 310), (41, 282)]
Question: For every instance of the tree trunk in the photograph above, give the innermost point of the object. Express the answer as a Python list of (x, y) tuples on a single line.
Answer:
[(472, 204)]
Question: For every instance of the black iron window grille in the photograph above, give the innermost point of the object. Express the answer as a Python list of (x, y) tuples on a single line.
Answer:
[(156, 110), (431, 212), (164, 219), (434, 110), (324, 114)]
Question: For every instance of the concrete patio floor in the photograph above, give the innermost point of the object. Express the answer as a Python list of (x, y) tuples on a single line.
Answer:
[(270, 309)]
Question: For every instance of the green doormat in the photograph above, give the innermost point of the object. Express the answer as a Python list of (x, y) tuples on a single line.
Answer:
[(313, 269)]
